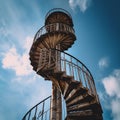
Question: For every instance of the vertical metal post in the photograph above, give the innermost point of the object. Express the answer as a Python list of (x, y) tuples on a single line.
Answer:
[(59, 106), (29, 115), (53, 103), (64, 59), (83, 72), (72, 67), (56, 105)]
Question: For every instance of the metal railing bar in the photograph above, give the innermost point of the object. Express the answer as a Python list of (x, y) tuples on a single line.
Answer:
[(29, 112), (57, 10), (78, 62), (53, 27)]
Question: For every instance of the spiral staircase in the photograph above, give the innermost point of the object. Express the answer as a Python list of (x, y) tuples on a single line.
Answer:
[(69, 76)]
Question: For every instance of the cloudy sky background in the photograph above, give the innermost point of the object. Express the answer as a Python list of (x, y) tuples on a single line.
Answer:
[(97, 27)]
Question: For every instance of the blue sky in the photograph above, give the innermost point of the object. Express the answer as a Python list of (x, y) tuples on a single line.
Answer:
[(97, 28)]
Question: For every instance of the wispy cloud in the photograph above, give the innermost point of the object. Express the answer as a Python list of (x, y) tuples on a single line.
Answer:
[(24, 86), (82, 4), (112, 87), (16, 23), (103, 62), (17, 62), (112, 84)]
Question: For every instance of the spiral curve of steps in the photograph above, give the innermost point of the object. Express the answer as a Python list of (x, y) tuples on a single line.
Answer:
[(71, 77)]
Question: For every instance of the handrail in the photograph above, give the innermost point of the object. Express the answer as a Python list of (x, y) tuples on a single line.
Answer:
[(76, 60), (34, 114), (35, 108), (57, 10), (72, 66), (52, 28)]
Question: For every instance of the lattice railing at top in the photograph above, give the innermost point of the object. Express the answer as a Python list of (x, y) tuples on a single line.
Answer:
[(62, 61), (57, 10), (52, 28)]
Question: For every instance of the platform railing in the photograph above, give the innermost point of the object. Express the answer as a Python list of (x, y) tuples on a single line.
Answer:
[(63, 61), (57, 10), (40, 111), (55, 27)]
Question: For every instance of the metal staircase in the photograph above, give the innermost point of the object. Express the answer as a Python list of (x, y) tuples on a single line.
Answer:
[(69, 75)]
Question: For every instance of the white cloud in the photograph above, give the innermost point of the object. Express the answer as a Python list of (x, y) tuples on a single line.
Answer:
[(103, 62), (19, 63), (112, 84), (116, 109), (112, 87), (82, 4)]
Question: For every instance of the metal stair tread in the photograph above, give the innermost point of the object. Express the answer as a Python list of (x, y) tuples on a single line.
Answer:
[(84, 106), (58, 74), (79, 116), (71, 86), (80, 99), (80, 90), (67, 77)]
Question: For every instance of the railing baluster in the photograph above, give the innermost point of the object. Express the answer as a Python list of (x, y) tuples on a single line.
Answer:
[(93, 86), (53, 27), (84, 76), (72, 67), (42, 111), (64, 59), (89, 83), (29, 115), (78, 72), (35, 112), (69, 65)]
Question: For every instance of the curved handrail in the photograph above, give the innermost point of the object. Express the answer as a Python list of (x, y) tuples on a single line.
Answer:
[(52, 28), (78, 61), (57, 10), (34, 109), (77, 64), (71, 65)]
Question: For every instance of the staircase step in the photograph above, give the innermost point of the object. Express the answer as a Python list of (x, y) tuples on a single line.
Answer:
[(80, 99), (84, 106), (83, 115), (67, 77), (58, 74), (46, 68), (80, 90), (73, 84)]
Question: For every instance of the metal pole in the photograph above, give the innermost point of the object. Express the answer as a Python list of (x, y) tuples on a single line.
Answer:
[(53, 103), (59, 106), (56, 104)]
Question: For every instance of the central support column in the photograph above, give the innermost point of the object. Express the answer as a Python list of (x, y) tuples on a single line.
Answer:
[(56, 105)]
